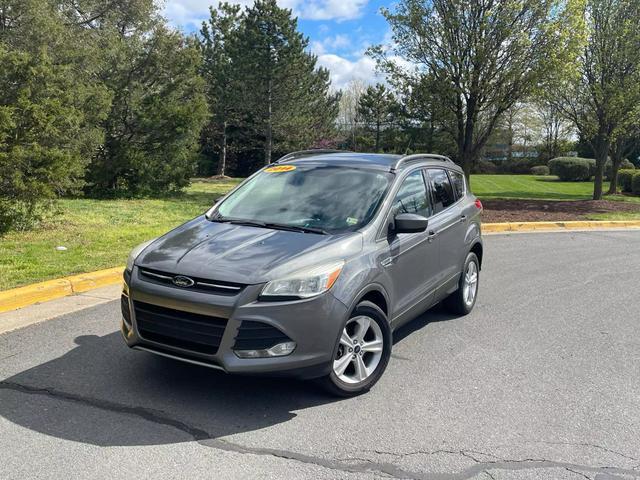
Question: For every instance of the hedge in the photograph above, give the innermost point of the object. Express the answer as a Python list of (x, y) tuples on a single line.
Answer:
[(572, 169), (635, 183), (485, 166), (625, 178), (624, 165), (540, 170), (518, 166)]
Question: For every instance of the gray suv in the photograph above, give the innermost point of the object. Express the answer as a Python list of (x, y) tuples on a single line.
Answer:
[(308, 266)]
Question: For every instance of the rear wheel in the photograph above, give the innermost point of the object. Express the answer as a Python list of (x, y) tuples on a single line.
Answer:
[(463, 299), (362, 352)]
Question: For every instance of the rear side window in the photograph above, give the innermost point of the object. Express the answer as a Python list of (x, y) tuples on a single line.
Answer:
[(412, 196), (441, 189), (457, 179)]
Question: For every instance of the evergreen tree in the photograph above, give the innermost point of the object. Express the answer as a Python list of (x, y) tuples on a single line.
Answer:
[(50, 111), (157, 112), (218, 44), (426, 121), (378, 108), (126, 88), (286, 97)]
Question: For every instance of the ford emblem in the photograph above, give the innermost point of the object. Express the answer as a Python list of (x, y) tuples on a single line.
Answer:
[(182, 281)]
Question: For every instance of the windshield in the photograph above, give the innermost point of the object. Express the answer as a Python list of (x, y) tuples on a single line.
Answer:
[(329, 198)]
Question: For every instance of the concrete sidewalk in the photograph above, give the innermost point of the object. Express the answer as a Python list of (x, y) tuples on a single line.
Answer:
[(41, 312)]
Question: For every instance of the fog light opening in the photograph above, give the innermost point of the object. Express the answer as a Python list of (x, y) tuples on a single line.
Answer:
[(279, 350)]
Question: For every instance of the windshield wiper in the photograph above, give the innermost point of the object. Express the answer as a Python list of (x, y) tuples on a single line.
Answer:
[(274, 226), (237, 221), (246, 223), (296, 228)]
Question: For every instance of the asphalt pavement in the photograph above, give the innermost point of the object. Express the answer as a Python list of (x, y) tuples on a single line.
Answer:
[(540, 381)]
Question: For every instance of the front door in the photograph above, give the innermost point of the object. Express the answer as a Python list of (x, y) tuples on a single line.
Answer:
[(412, 259)]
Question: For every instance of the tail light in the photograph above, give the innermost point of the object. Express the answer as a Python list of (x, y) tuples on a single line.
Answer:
[(478, 204)]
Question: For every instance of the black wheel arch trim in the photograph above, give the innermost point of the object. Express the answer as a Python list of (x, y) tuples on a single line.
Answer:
[(372, 287)]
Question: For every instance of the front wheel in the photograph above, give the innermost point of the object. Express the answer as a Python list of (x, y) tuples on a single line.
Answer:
[(362, 352), (463, 299)]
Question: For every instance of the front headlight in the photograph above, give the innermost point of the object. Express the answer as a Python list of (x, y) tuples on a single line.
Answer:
[(137, 251), (305, 284)]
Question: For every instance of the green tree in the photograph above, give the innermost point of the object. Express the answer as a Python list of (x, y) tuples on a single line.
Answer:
[(378, 109), (133, 83), (51, 108), (625, 143), (286, 97), (46, 134), (427, 124), (556, 131), (218, 43), (603, 93), (484, 56), (157, 112)]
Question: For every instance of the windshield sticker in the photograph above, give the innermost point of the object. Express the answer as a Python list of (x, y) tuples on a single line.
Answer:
[(351, 221), (280, 168)]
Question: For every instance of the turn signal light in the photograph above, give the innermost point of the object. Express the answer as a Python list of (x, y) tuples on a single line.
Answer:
[(478, 204)]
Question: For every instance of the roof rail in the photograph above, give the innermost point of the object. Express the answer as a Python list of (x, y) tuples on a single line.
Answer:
[(418, 156), (306, 153)]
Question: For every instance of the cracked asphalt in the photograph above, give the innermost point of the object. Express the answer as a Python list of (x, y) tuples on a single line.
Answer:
[(541, 381)]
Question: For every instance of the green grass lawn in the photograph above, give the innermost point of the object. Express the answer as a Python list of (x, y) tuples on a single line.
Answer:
[(530, 187), (546, 188), (100, 233), (97, 233)]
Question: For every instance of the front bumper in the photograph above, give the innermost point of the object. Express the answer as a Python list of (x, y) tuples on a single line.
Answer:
[(314, 324)]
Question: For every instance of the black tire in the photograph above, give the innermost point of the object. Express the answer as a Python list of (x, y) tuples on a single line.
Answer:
[(332, 383), (456, 302)]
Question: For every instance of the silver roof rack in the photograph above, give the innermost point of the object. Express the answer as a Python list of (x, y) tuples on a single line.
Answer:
[(306, 153), (419, 156)]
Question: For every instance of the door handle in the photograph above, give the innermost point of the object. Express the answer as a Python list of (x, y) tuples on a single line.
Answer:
[(431, 236)]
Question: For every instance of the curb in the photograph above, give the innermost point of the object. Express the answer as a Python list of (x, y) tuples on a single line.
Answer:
[(551, 226), (60, 287)]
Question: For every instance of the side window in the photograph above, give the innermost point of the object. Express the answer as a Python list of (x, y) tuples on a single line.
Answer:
[(457, 179), (441, 190), (412, 196)]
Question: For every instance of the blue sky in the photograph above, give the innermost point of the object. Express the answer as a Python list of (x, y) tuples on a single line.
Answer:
[(339, 31)]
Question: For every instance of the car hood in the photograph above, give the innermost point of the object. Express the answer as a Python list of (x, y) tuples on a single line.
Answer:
[(242, 254)]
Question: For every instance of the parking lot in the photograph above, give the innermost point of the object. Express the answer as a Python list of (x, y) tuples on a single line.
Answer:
[(541, 380)]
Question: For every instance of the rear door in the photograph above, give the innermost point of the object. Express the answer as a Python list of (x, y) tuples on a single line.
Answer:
[(447, 224), (412, 258)]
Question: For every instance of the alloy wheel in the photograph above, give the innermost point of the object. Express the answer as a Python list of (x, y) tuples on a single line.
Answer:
[(470, 286), (359, 351)]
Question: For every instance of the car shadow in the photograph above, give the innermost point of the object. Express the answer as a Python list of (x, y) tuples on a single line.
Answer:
[(436, 314), (104, 394)]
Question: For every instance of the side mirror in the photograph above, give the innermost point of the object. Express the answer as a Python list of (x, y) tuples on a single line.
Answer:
[(409, 223)]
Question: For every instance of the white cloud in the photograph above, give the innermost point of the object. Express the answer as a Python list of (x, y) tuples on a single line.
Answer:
[(343, 70), (330, 44), (191, 13), (330, 9)]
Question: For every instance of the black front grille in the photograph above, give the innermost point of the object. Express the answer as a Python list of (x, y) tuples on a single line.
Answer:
[(258, 336), (175, 328), (199, 284)]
